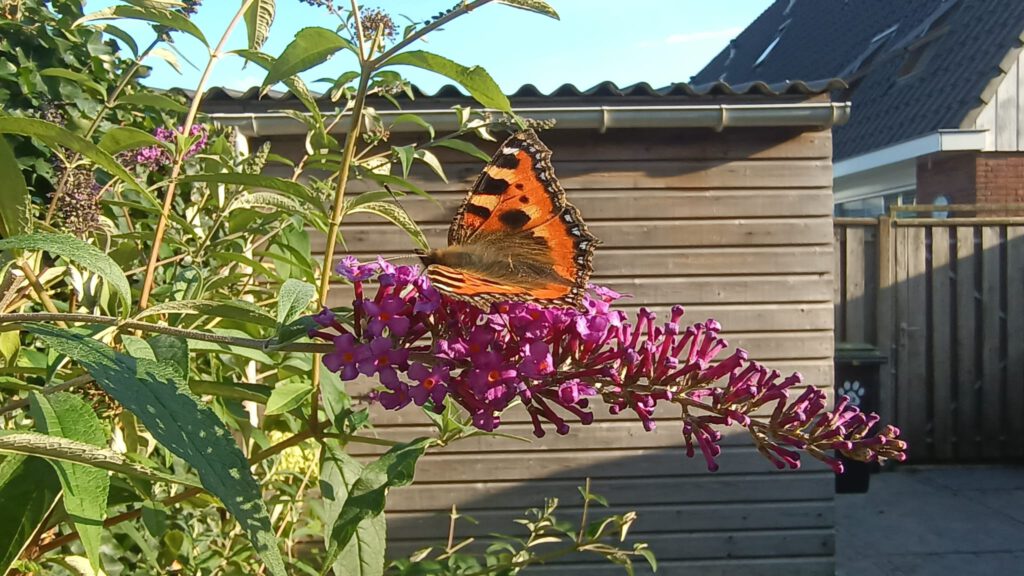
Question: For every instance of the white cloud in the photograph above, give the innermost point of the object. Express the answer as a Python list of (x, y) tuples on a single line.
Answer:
[(724, 34)]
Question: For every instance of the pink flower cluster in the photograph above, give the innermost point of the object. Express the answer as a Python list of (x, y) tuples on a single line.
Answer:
[(155, 156), (426, 350)]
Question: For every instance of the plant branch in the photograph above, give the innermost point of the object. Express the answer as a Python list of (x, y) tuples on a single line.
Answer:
[(161, 226), (464, 9)]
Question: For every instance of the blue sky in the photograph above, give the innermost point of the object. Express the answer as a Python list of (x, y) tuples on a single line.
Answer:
[(653, 41)]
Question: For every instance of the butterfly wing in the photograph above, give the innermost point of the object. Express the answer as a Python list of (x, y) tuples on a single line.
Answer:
[(516, 237)]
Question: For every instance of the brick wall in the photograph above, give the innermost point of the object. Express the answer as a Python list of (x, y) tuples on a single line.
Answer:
[(952, 176), (1000, 178), (968, 178)]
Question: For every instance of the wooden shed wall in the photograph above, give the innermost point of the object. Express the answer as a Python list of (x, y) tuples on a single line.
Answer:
[(734, 225)]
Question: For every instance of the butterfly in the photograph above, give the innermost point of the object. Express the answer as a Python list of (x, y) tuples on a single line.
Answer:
[(515, 237)]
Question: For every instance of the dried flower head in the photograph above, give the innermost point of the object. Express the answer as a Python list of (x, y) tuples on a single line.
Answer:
[(374, 21), (78, 201)]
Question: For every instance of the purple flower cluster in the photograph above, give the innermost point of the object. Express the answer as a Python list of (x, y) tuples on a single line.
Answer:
[(426, 350), (155, 156)]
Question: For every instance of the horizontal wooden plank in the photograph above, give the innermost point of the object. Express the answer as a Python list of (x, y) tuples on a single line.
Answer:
[(625, 144), (693, 261), (652, 519), (379, 238), (633, 174), (791, 566), (602, 435), (448, 468), (697, 546), (624, 205), (695, 290), (708, 488)]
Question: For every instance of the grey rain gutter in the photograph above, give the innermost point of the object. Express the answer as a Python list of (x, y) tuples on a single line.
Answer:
[(715, 116)]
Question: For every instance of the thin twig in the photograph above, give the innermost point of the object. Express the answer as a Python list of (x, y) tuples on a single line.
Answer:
[(38, 287), (165, 213)]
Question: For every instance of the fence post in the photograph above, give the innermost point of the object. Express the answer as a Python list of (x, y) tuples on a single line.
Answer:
[(885, 320)]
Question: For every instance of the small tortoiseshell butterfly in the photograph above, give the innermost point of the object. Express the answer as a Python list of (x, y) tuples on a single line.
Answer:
[(515, 238)]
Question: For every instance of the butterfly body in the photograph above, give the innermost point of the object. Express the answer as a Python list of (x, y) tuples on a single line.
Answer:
[(515, 237)]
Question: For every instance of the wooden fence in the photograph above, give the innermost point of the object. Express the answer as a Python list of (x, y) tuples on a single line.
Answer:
[(944, 300)]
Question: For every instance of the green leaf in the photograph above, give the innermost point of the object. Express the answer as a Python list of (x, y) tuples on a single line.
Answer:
[(364, 553), (536, 6), (240, 310), (173, 351), (28, 490), (183, 424), (413, 119), (15, 199), (54, 136), (137, 347), (271, 200), (293, 299), (310, 47), (466, 148), (121, 138), (59, 449), (474, 79), (649, 556), (400, 184), (405, 155), (158, 101), (76, 77), (288, 396), (78, 252), (258, 19), (429, 159), (366, 497), (294, 83), (398, 217), (293, 189), (168, 18), (121, 35), (85, 488)]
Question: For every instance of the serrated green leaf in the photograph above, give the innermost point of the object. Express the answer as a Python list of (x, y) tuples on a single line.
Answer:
[(173, 351), (310, 47), (398, 217), (366, 497), (466, 148), (293, 299), (474, 79), (79, 252), (158, 101), (54, 136), (85, 488), (121, 138), (271, 200), (535, 6), (287, 396), (15, 199), (230, 310), (168, 18), (183, 424), (29, 488), (258, 19)]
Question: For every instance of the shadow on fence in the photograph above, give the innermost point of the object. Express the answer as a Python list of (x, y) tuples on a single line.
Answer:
[(944, 300)]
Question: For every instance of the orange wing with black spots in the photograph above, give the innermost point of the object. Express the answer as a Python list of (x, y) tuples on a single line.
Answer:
[(516, 237)]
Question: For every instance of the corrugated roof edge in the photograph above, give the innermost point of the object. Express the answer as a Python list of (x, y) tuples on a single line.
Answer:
[(603, 89)]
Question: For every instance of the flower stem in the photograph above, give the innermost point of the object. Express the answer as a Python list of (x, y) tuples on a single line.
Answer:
[(161, 226)]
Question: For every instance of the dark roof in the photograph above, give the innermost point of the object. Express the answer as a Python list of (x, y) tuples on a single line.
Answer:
[(959, 46), (226, 100)]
